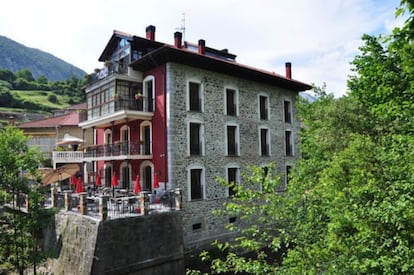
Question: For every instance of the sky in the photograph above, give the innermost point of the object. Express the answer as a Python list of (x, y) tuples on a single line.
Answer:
[(319, 37)]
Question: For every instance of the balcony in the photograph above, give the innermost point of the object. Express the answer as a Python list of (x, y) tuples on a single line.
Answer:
[(117, 110), (67, 157), (118, 150)]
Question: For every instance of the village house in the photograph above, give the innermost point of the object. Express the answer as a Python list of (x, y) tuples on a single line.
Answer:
[(178, 116)]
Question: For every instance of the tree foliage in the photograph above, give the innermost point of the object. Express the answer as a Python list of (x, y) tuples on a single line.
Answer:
[(19, 245), (349, 205)]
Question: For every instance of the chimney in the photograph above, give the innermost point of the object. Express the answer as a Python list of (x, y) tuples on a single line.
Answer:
[(178, 39), (288, 67), (150, 31), (201, 46), (12, 120)]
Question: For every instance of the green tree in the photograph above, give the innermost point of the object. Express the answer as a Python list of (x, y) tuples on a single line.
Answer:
[(19, 230), (25, 74), (349, 206)]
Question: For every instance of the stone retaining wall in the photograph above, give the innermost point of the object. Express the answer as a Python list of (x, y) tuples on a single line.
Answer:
[(135, 245)]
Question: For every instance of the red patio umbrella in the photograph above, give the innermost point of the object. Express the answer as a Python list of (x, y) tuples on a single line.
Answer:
[(98, 180), (137, 187), (79, 186), (156, 183), (115, 180)]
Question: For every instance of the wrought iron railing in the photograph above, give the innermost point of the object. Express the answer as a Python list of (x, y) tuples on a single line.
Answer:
[(124, 148)]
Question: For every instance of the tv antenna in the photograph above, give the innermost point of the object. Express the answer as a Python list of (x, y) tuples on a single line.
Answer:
[(182, 26)]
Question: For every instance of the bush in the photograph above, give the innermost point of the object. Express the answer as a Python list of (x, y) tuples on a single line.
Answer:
[(52, 98)]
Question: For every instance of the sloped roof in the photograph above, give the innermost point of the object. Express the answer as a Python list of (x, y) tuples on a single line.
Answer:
[(70, 119)]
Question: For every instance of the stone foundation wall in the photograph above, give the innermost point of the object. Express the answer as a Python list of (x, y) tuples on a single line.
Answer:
[(136, 245)]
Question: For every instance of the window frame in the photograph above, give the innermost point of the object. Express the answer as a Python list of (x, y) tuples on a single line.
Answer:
[(236, 139), (228, 167), (268, 142), (149, 102), (201, 138), (266, 106), (200, 96), (202, 182), (287, 111), (235, 101), (289, 144)]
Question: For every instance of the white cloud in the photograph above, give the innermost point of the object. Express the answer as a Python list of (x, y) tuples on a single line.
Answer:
[(320, 37)]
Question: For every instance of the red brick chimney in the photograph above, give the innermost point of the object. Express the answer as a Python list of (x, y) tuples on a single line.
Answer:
[(288, 67), (178, 36), (201, 46), (150, 31)]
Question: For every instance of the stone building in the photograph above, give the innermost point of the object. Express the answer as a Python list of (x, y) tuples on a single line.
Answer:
[(179, 115)]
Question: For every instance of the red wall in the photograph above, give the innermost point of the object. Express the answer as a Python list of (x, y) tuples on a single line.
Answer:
[(159, 134)]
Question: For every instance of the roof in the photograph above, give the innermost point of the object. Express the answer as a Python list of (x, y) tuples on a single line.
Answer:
[(169, 53), (80, 106), (155, 53), (70, 119)]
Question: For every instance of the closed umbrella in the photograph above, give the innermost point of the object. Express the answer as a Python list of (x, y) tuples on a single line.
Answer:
[(137, 187), (98, 180), (114, 183), (115, 180), (156, 183), (79, 186), (73, 180)]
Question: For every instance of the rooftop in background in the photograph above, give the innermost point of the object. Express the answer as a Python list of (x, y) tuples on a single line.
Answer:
[(69, 119)]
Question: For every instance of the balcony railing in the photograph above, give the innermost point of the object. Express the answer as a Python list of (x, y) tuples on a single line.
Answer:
[(118, 104), (124, 148), (67, 156)]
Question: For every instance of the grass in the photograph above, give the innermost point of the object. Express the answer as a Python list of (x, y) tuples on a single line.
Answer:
[(41, 98)]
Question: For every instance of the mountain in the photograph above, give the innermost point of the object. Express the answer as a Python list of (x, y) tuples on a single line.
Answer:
[(309, 97), (15, 56)]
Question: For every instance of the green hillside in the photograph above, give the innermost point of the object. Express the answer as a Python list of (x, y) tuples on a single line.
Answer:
[(15, 56)]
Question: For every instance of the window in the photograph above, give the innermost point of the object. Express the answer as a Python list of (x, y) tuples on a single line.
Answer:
[(287, 107), (232, 176), (194, 97), (232, 140), (125, 176), (264, 142), (196, 184), (287, 174), (195, 139), (288, 143), (148, 94), (124, 142), (231, 102), (145, 138), (263, 107)]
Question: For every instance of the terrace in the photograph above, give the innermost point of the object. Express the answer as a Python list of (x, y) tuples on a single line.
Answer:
[(106, 203)]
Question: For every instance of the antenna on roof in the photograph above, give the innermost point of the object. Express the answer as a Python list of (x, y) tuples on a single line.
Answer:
[(182, 27)]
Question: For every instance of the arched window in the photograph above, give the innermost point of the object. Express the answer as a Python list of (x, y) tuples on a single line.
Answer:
[(125, 177), (147, 176), (146, 138)]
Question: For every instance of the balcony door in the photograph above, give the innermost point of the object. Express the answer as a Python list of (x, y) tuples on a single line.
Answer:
[(147, 178)]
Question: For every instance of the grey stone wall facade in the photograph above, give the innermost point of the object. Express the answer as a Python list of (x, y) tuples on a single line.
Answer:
[(214, 160)]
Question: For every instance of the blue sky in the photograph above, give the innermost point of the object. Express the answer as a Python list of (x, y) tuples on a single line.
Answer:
[(319, 37)]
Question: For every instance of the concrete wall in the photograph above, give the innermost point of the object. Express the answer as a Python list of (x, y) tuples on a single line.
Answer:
[(134, 245)]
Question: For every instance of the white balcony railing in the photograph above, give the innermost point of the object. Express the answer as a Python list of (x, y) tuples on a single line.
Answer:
[(67, 157)]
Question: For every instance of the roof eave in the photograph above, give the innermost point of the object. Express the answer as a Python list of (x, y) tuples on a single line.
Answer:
[(169, 54)]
